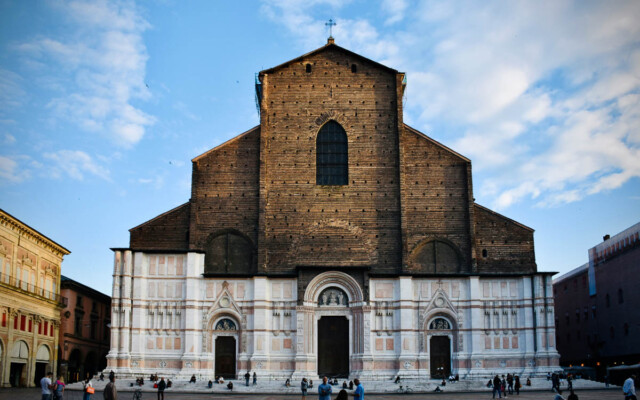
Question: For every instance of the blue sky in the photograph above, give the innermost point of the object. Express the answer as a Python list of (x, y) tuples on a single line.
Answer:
[(104, 103)]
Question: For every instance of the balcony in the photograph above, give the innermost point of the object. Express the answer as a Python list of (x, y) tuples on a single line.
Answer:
[(33, 290)]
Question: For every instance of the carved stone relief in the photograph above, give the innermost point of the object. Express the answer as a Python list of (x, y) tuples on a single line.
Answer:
[(333, 297)]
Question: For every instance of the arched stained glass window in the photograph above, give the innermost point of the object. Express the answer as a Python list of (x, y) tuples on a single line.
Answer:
[(332, 158)]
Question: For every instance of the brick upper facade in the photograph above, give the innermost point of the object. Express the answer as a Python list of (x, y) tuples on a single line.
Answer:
[(407, 208)]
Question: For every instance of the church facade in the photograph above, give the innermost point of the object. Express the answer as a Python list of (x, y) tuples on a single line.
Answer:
[(332, 239)]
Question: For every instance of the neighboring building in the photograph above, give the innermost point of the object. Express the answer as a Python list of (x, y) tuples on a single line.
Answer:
[(30, 302), (84, 330), (331, 239), (598, 305)]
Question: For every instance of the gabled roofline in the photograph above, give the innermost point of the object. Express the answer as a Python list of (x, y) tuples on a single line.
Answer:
[(507, 218), (26, 228), (233, 139), (160, 216), (417, 132), (323, 48)]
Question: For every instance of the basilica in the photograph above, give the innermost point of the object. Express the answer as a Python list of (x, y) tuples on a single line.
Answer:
[(331, 239)]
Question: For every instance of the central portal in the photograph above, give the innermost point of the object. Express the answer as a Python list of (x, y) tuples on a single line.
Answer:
[(226, 357), (440, 357), (333, 347)]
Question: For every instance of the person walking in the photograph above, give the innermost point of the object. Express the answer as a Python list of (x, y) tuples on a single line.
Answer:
[(58, 388), (358, 394), (110, 391), (87, 388), (247, 376), (496, 387), (629, 388), (324, 390), (304, 385), (518, 384), (510, 383), (255, 378), (162, 385), (46, 386)]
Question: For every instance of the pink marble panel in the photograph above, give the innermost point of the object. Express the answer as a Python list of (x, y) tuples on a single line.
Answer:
[(152, 265), (455, 289), (209, 290), (149, 343), (514, 342), (379, 344), (179, 265), (487, 342), (286, 343), (496, 342), (240, 293), (389, 344), (171, 266), (513, 289), (177, 343), (168, 343), (505, 342), (158, 343), (486, 292), (276, 290), (287, 288)]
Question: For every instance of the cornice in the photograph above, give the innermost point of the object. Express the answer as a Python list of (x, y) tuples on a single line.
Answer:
[(33, 235)]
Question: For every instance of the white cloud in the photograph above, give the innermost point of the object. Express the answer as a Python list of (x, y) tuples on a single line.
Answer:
[(9, 138), (74, 164), (11, 171), (543, 97), (395, 9), (97, 70)]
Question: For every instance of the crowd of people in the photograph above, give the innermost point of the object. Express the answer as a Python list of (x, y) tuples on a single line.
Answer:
[(502, 386)]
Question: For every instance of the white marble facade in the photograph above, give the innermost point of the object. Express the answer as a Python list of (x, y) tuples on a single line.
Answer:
[(167, 316)]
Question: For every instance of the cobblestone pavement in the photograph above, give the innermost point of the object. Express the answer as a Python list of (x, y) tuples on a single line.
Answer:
[(33, 393)]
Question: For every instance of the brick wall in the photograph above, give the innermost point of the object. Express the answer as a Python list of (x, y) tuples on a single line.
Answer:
[(224, 192), (168, 231), (261, 185), (307, 224), (508, 244)]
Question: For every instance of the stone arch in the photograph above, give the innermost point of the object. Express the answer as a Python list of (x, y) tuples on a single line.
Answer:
[(450, 317), (20, 350), (44, 353), (436, 255), (213, 318), (334, 278), (229, 251)]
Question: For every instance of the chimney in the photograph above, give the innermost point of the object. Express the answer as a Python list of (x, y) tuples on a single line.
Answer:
[(606, 237)]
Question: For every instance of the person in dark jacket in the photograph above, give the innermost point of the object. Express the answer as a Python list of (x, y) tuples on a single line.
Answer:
[(162, 385), (496, 387)]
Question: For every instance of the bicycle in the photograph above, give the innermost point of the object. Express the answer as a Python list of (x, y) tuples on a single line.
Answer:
[(404, 389), (137, 394)]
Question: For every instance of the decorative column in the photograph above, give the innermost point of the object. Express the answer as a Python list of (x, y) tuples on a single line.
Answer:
[(259, 360), (407, 325), (193, 328), (305, 360)]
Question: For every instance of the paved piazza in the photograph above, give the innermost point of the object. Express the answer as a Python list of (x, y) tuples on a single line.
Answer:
[(32, 393)]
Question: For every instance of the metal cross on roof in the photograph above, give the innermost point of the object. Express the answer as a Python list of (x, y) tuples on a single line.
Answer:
[(330, 24)]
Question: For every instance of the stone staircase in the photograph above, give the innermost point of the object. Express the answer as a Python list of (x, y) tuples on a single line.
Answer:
[(371, 387)]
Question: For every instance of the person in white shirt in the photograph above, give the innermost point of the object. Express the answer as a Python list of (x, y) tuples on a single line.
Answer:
[(45, 384), (629, 388)]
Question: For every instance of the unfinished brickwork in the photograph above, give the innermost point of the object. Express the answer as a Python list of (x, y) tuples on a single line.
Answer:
[(394, 255), (168, 231)]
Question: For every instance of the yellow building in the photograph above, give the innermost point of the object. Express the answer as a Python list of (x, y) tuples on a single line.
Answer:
[(30, 302)]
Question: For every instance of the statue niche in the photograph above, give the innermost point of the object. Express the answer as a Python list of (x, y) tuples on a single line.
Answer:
[(333, 297)]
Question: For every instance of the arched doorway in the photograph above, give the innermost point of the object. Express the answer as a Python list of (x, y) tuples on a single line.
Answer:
[(18, 368), (225, 332), (335, 314), (75, 366), (43, 357), (440, 347), (333, 334), (90, 364)]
